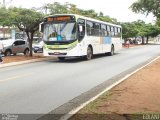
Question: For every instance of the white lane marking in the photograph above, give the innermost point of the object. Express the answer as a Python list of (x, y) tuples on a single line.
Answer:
[(16, 77)]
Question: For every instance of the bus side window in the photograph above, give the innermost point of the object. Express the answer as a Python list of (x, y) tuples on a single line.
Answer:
[(103, 30), (96, 29), (119, 32), (90, 28), (112, 31), (109, 30), (81, 29)]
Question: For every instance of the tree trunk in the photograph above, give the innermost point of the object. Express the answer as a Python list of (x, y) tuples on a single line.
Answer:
[(30, 44), (147, 39), (142, 40), (30, 39), (4, 32), (135, 40)]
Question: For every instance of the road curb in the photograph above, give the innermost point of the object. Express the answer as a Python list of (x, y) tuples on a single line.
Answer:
[(75, 110), (24, 62)]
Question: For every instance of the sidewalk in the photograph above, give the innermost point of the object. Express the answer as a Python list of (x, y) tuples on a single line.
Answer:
[(21, 59), (133, 99)]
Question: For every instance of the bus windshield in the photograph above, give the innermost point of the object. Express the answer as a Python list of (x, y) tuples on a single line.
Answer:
[(65, 31)]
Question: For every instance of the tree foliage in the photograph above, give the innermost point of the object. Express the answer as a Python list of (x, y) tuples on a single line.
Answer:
[(26, 20), (139, 28), (129, 30), (57, 8), (4, 14), (146, 7), (5, 19)]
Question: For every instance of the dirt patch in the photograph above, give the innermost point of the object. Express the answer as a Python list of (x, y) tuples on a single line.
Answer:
[(130, 100), (132, 45), (18, 58)]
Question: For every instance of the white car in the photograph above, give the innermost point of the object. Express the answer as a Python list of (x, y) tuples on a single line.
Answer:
[(38, 47)]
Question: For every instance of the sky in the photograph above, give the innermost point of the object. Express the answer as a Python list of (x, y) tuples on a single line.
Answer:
[(118, 9)]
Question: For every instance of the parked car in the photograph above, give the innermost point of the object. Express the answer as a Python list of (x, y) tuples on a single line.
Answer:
[(13, 47), (38, 47), (37, 39), (3, 39)]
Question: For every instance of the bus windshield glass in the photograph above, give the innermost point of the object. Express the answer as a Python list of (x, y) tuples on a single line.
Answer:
[(64, 31)]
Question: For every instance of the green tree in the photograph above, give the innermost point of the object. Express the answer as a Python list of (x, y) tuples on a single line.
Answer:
[(146, 7), (27, 20), (152, 31), (57, 8), (72, 9), (129, 30), (139, 28), (147, 30), (5, 21), (89, 13), (4, 14)]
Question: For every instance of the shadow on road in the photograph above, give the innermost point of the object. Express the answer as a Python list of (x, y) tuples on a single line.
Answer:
[(153, 44), (81, 59)]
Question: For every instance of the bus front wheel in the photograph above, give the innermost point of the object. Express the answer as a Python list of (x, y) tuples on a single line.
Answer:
[(89, 53)]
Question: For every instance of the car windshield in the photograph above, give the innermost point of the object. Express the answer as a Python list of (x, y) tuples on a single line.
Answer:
[(60, 31), (40, 43)]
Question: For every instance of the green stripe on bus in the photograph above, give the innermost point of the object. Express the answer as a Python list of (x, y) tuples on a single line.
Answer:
[(71, 45)]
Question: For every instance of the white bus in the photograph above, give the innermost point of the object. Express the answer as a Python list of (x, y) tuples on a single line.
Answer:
[(67, 35)]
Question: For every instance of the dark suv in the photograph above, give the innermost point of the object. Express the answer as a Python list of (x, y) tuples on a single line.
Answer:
[(14, 47)]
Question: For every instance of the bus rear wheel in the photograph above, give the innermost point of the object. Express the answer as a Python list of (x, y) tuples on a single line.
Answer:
[(112, 51), (89, 53)]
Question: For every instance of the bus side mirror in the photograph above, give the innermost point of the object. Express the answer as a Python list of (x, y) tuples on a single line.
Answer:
[(41, 27)]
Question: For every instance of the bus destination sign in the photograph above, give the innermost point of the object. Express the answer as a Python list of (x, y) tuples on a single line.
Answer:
[(59, 18)]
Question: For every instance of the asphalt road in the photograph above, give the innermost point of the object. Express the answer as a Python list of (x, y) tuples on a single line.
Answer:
[(38, 88)]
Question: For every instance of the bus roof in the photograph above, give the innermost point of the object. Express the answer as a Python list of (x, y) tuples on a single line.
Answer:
[(87, 18)]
